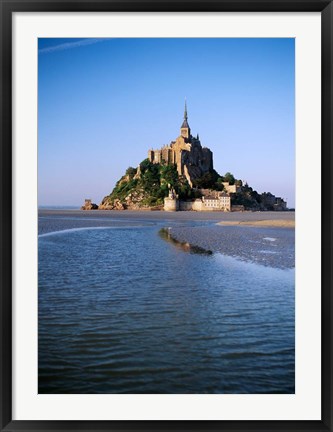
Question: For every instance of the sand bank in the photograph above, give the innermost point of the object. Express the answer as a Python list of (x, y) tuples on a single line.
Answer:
[(56, 220), (276, 223), (268, 246)]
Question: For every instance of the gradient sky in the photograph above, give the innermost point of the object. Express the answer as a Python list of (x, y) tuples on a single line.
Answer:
[(102, 103)]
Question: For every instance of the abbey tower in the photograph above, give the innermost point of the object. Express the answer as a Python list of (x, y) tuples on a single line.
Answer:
[(192, 160)]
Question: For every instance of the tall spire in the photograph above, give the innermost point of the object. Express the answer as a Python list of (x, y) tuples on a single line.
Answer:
[(185, 124)]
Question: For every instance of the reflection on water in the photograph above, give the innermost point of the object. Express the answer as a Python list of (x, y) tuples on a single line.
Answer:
[(123, 311)]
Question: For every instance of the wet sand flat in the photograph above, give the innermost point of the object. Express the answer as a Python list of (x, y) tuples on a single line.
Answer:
[(58, 220), (268, 246), (274, 223), (259, 237)]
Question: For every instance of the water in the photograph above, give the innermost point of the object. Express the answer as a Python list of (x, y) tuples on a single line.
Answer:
[(123, 310)]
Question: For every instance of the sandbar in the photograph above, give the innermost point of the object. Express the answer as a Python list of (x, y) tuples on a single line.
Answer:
[(276, 223)]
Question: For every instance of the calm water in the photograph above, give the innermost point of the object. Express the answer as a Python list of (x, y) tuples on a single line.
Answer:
[(123, 310)]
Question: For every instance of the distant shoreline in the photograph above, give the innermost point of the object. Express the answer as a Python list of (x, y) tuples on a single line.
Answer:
[(217, 216)]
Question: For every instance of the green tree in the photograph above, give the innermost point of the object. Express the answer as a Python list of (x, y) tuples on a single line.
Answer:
[(228, 177), (145, 165), (131, 172), (219, 184), (169, 175)]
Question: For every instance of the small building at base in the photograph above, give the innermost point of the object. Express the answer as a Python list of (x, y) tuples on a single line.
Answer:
[(220, 201)]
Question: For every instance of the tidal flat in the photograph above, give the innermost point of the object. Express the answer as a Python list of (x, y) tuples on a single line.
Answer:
[(266, 238), (56, 220), (203, 308)]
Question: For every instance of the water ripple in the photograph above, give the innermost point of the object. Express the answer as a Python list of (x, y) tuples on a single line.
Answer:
[(123, 311)]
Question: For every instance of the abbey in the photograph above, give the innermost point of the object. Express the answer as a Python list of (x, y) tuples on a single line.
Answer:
[(192, 160), (181, 176)]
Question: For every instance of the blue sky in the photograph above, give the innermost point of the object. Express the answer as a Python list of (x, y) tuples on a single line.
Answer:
[(102, 103)]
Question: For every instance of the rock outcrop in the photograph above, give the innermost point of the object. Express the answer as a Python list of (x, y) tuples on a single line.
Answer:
[(88, 205), (111, 205)]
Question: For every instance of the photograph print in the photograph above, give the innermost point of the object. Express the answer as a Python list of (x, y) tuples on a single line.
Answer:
[(166, 216)]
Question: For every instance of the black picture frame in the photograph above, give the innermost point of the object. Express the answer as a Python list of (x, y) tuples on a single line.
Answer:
[(7, 7)]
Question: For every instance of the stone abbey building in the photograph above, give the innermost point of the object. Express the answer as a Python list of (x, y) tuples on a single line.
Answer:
[(192, 160)]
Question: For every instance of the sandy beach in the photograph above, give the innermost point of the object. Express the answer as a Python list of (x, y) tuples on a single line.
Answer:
[(273, 223)]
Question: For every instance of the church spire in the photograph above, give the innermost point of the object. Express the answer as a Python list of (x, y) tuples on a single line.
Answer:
[(185, 123)]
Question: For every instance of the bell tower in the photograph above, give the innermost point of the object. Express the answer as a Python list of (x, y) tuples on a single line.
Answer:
[(185, 130)]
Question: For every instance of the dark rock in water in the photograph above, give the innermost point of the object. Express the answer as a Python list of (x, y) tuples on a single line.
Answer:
[(185, 246)]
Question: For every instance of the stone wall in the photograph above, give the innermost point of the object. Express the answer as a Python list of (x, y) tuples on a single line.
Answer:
[(185, 205), (230, 188), (196, 205), (171, 204)]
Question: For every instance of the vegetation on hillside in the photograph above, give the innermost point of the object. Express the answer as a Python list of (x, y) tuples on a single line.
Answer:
[(210, 180), (148, 185), (247, 197)]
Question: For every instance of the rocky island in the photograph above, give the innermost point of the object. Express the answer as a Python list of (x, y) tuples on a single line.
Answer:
[(181, 176)]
